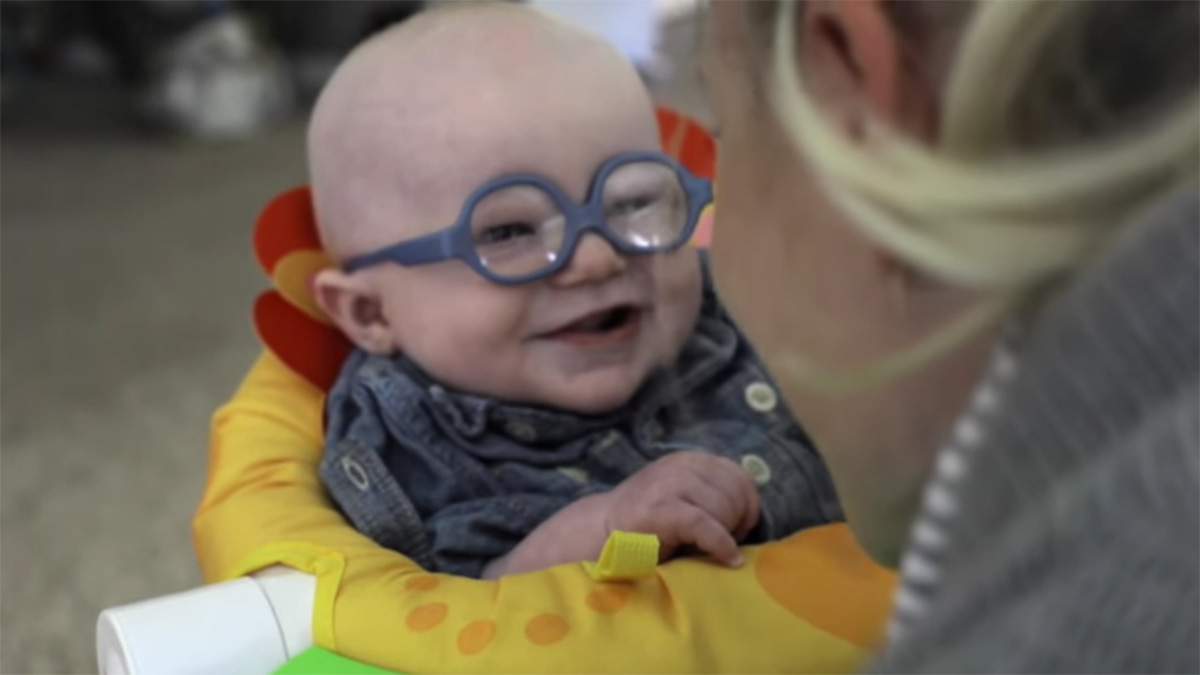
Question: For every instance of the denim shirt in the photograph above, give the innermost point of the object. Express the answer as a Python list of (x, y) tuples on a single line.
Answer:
[(453, 480)]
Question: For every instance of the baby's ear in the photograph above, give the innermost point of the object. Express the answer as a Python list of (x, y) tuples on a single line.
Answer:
[(351, 302)]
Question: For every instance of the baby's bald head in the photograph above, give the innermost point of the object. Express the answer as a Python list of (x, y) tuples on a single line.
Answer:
[(423, 113), (420, 117)]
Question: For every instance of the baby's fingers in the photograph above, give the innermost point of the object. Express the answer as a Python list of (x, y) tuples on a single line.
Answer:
[(708, 535), (750, 514), (740, 492)]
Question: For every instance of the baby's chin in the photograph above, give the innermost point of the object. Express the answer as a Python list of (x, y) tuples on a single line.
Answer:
[(598, 398), (595, 402), (592, 393)]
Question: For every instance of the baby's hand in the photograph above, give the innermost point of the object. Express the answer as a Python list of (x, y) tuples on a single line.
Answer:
[(688, 498)]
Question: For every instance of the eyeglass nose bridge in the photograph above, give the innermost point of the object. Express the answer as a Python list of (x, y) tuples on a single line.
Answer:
[(590, 218)]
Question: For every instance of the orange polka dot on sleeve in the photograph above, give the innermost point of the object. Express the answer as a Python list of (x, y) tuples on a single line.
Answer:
[(427, 616), (608, 600), (476, 636), (546, 629), (425, 582)]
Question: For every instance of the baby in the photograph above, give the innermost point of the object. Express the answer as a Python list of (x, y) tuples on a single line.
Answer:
[(541, 358)]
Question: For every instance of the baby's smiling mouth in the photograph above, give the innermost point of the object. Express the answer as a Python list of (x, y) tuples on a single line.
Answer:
[(605, 327)]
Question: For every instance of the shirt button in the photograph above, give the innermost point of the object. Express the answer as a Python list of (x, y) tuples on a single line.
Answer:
[(574, 473), (757, 467), (521, 431), (761, 397), (356, 474)]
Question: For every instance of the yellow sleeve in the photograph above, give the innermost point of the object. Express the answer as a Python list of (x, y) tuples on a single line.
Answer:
[(262, 485), (263, 503)]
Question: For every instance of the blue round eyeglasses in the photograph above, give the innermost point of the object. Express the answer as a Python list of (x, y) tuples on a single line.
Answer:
[(520, 228)]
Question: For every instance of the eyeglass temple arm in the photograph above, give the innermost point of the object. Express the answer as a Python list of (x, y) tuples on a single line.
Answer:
[(433, 247)]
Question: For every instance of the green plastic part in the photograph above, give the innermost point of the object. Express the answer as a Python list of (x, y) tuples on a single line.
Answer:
[(317, 661)]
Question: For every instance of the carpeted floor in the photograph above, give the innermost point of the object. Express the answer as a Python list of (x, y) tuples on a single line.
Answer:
[(126, 283)]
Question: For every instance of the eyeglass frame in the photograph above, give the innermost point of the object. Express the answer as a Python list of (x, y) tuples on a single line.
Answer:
[(455, 241)]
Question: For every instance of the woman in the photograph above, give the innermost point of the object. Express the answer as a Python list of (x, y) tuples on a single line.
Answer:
[(964, 238), (908, 187)]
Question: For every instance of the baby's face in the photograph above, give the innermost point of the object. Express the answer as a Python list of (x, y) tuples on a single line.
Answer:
[(584, 339)]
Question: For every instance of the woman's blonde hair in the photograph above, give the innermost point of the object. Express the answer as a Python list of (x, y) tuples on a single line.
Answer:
[(1052, 136)]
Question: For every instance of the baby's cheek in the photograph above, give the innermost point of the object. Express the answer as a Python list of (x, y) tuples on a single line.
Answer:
[(680, 274), (482, 343), (679, 288)]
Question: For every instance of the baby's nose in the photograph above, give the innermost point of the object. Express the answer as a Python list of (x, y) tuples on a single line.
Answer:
[(594, 260)]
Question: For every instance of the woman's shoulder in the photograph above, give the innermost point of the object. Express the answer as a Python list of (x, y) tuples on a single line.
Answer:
[(1086, 472), (1100, 570)]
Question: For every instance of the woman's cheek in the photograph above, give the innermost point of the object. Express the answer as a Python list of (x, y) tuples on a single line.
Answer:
[(745, 261)]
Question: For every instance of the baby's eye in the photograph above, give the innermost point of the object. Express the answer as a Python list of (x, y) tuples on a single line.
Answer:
[(631, 205), (506, 232)]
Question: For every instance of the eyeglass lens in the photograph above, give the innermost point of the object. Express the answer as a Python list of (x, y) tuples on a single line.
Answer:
[(520, 230)]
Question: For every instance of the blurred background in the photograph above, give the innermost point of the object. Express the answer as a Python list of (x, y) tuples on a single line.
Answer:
[(138, 141)]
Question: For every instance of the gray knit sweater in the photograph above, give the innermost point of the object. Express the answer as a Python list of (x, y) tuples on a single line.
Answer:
[(1066, 538)]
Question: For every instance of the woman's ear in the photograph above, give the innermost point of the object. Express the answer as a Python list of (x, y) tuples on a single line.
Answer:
[(354, 307), (854, 61)]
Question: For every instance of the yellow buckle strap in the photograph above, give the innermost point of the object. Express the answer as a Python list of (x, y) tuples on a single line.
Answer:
[(626, 555)]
